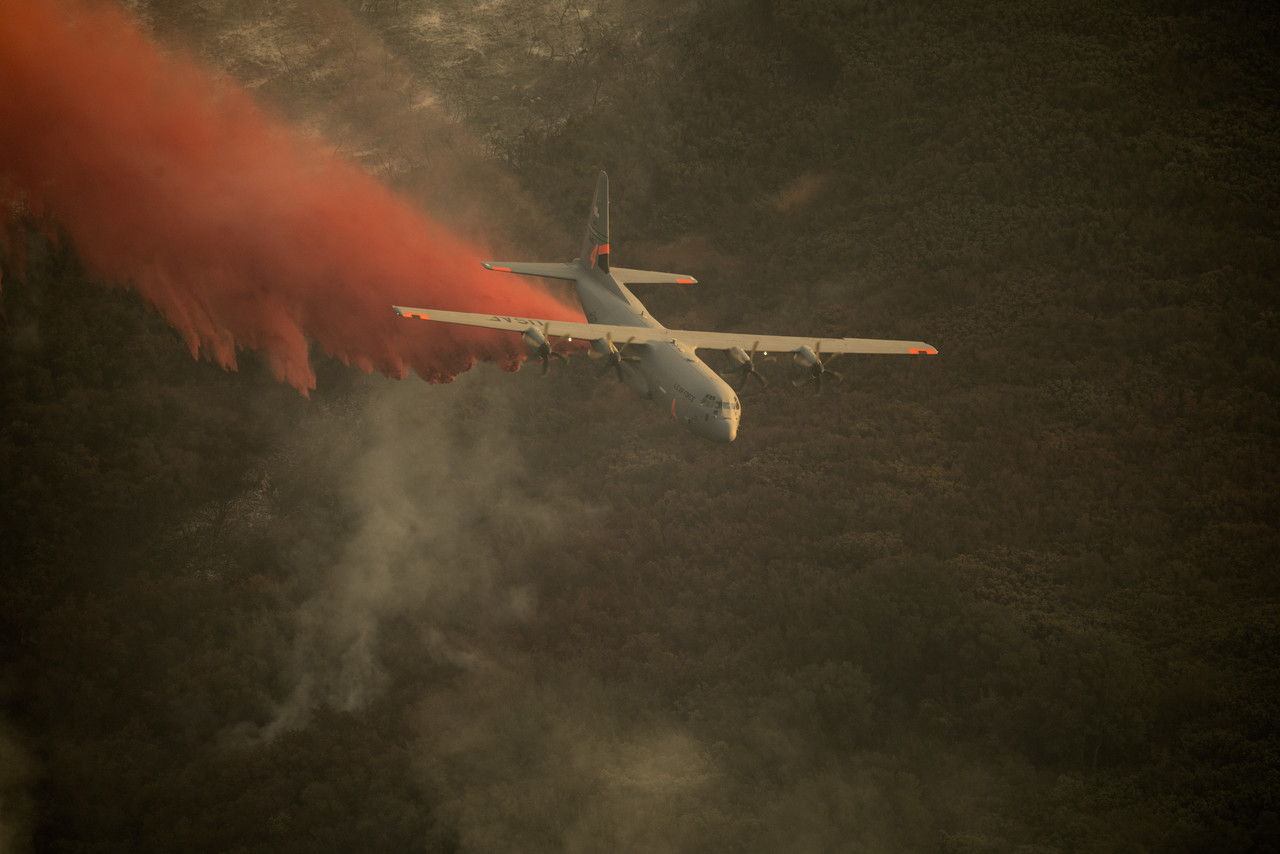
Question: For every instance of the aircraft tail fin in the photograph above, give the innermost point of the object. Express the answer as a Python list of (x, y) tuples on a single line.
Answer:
[(595, 245)]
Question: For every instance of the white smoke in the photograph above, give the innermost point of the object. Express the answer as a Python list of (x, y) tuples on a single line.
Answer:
[(432, 511)]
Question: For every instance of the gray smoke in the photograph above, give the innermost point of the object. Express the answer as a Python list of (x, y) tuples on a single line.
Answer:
[(544, 758), (423, 511)]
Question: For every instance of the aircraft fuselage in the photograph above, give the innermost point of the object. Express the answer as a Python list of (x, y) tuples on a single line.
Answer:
[(667, 372), (656, 362)]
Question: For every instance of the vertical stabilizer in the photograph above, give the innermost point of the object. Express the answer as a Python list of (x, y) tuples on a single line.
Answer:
[(595, 246)]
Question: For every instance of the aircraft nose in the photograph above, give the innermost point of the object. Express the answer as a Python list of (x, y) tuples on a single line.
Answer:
[(726, 430)]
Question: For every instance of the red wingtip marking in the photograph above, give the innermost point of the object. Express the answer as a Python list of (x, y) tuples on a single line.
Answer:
[(684, 281), (418, 315), (923, 352), (501, 269)]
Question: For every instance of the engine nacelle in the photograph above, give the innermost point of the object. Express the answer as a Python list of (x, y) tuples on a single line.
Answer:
[(536, 342), (805, 356), (602, 348), (812, 362)]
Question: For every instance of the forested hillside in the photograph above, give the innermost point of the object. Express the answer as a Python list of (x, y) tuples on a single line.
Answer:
[(1018, 597)]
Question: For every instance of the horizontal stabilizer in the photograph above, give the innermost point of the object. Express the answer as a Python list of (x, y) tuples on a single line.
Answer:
[(526, 268), (648, 277)]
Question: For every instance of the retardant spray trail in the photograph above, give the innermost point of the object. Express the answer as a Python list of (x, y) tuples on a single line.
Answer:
[(243, 232)]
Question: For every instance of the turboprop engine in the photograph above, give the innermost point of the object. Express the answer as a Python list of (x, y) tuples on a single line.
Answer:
[(744, 366), (811, 360), (539, 347), (624, 364)]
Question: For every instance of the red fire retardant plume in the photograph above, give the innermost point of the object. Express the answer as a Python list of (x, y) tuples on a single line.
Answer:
[(242, 232)]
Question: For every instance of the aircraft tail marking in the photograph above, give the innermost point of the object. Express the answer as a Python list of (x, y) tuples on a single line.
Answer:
[(595, 245)]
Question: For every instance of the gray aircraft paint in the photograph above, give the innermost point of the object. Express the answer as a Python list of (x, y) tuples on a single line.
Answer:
[(660, 363)]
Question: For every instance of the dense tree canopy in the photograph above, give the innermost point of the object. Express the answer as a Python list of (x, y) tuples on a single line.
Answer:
[(1018, 597)]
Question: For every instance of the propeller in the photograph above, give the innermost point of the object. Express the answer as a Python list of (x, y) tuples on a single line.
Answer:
[(540, 347), (811, 359), (614, 356), (744, 366)]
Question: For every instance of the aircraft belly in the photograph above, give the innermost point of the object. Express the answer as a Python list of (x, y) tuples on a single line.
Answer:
[(637, 380)]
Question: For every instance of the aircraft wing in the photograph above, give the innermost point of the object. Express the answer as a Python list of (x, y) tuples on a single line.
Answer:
[(649, 334), (787, 343), (552, 328)]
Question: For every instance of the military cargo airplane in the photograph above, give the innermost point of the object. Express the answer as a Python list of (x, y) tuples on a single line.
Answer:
[(656, 362)]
